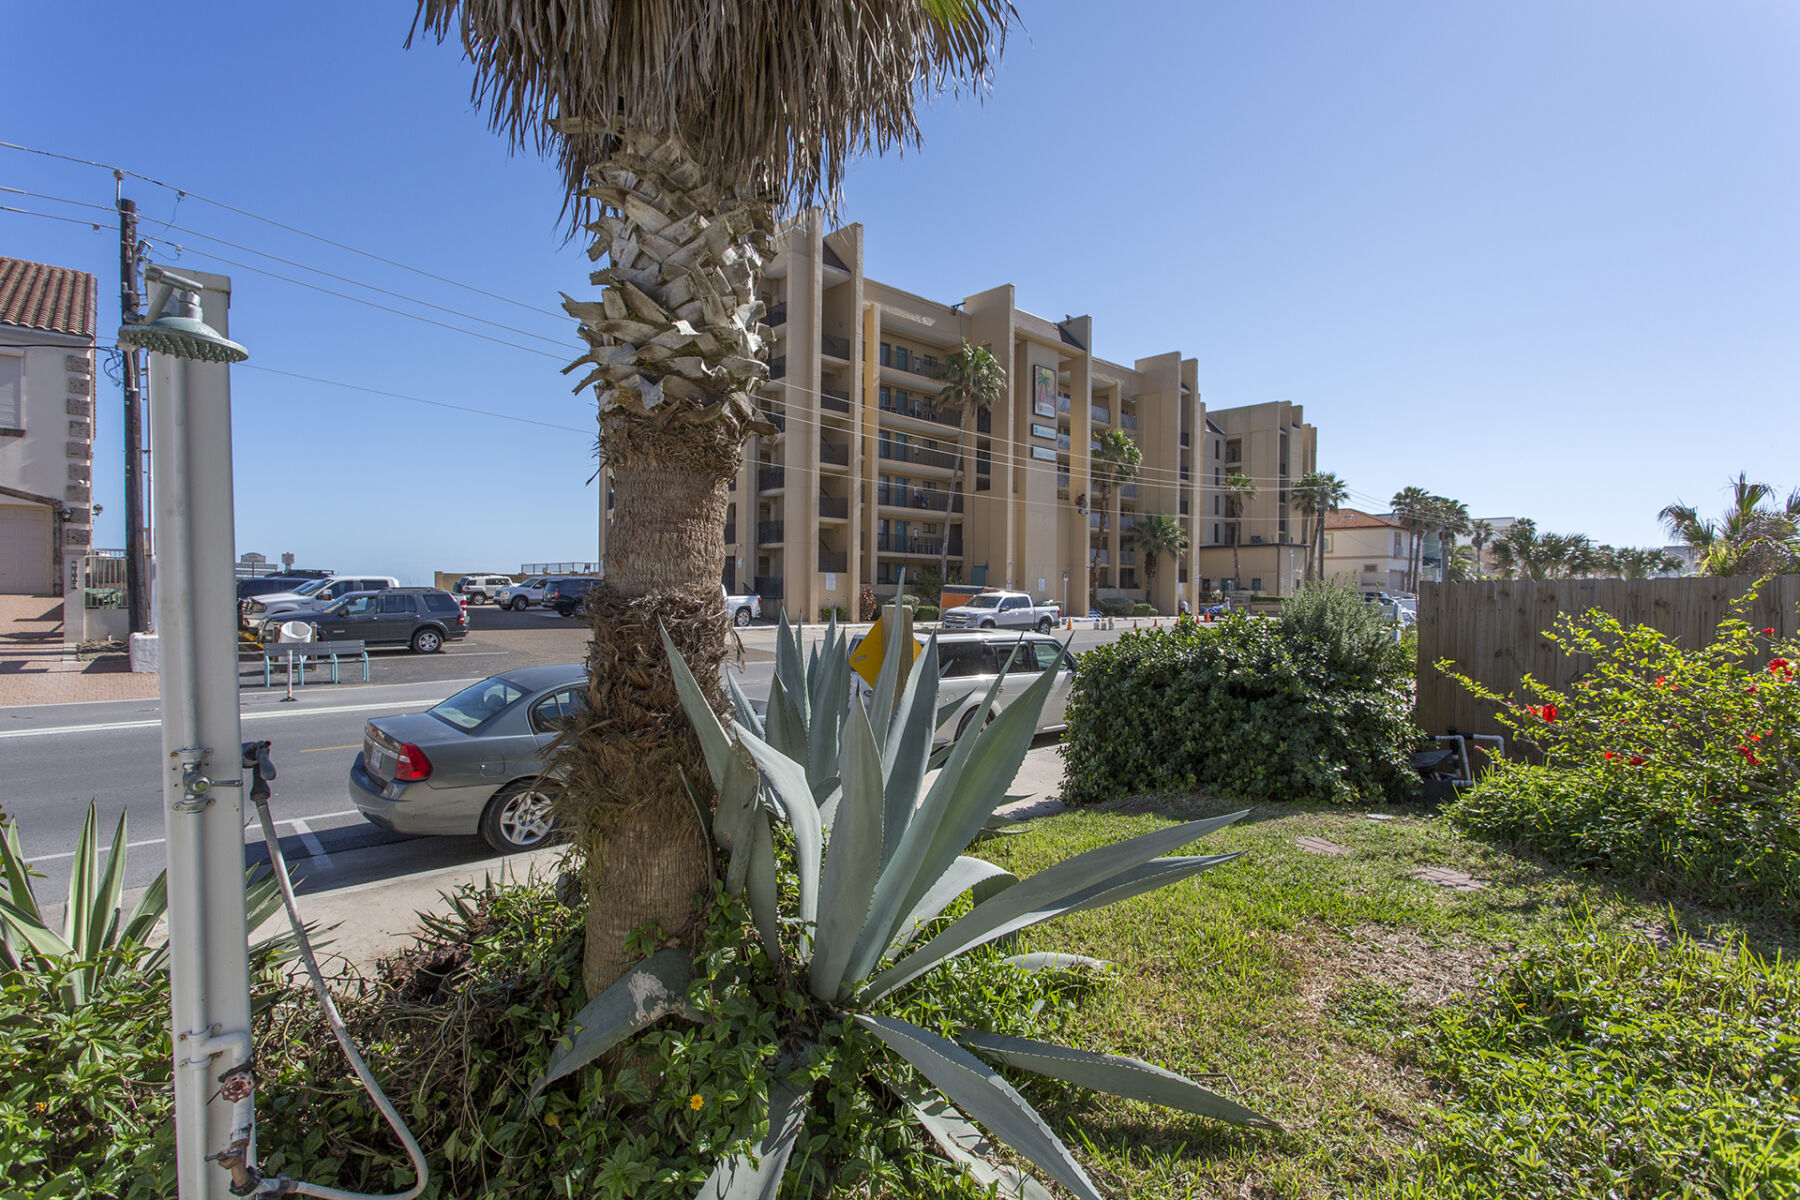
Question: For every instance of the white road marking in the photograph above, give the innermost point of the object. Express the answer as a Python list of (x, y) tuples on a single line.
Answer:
[(249, 716), (308, 838)]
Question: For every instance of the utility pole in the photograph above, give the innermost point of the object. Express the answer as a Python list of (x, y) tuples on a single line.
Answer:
[(136, 596)]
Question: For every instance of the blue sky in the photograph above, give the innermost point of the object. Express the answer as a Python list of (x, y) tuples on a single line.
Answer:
[(1539, 256)]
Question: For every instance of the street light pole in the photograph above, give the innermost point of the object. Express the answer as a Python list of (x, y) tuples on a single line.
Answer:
[(203, 810)]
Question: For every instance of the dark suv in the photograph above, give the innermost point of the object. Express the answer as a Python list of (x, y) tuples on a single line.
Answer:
[(566, 594), (423, 618)]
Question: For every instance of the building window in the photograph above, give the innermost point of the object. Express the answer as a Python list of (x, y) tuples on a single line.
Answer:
[(12, 388), (902, 357), (1256, 583), (1328, 538), (1215, 533), (1398, 552), (1215, 506), (887, 355), (1371, 568)]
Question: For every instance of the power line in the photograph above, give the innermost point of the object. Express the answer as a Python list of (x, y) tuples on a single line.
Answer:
[(357, 387), (280, 225), (26, 212)]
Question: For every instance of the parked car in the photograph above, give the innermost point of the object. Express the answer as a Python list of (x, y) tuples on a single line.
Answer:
[(423, 618), (313, 595), (743, 609), (566, 595), (1003, 610), (522, 595), (473, 764), (968, 663), (268, 585), (479, 589)]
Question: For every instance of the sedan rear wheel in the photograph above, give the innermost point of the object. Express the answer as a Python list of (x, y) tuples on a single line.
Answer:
[(519, 817)]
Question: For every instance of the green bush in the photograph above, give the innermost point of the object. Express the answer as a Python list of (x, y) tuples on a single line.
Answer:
[(1608, 1066), (829, 611), (926, 612), (1677, 767), (1246, 708), (1115, 606)]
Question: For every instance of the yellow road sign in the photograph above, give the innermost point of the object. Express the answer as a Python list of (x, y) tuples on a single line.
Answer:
[(867, 658)]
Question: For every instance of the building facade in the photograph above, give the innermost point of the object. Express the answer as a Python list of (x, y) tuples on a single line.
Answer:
[(1366, 551), (861, 481), (46, 422)]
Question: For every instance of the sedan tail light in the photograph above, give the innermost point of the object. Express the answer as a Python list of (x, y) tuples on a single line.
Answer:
[(413, 765)]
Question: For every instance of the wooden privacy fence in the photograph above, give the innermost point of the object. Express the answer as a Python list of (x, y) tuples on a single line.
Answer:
[(1493, 629)]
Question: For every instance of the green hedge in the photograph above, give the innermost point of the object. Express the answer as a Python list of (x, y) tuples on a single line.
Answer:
[(1143, 610), (925, 612), (828, 611), (1115, 606), (1243, 708)]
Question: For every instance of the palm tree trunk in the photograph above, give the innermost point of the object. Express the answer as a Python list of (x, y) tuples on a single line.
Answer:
[(1319, 540), (675, 347), (956, 477)]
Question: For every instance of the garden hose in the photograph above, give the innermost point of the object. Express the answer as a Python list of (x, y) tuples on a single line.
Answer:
[(281, 1184)]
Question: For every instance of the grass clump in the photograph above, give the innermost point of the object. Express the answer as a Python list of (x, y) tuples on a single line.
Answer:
[(1677, 768), (1314, 706), (1613, 1066)]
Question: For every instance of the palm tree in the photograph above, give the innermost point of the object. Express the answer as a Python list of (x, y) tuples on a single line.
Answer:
[(1748, 539), (1448, 519), (973, 380), (1480, 534), (1317, 493), (1239, 490), (1115, 463), (682, 131), (1410, 506), (1156, 534), (1646, 562)]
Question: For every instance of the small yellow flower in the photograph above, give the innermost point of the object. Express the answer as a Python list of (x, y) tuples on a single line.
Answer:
[(696, 1102), (552, 1120)]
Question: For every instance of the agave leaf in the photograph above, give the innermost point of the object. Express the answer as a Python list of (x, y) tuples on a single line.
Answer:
[(964, 873), (758, 1176), (701, 816), (786, 732), (737, 810), (1046, 894), (105, 900), (760, 884), (887, 680), (644, 995), (894, 890), (1131, 1078), (17, 875), (907, 756), (791, 669), (1050, 960), (852, 860), (963, 1143), (33, 932), (713, 742), (740, 702), (979, 1091), (998, 922), (80, 907), (948, 708), (830, 701), (787, 779)]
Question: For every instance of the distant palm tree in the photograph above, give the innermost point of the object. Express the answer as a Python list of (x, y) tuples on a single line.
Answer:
[(1115, 463), (1155, 535), (1239, 490), (1751, 537), (1480, 534), (1463, 564), (1317, 493), (1411, 507), (682, 131), (1447, 518), (1647, 562), (973, 381)]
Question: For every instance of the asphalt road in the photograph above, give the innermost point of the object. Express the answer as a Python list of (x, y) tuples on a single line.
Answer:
[(55, 759)]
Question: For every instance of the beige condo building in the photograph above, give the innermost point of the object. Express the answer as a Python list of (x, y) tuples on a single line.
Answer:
[(857, 483)]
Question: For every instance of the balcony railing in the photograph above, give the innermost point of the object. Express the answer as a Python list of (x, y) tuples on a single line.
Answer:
[(930, 500), (1128, 420), (777, 315), (1101, 416), (834, 399), (834, 560), (1129, 492), (1062, 404), (768, 533), (888, 543), (1128, 558), (769, 479), (914, 364), (834, 506), (919, 410), (778, 367), (1234, 456), (836, 455), (837, 347), (906, 452)]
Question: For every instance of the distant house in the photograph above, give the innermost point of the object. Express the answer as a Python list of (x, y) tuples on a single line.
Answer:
[(46, 422), (1365, 551)]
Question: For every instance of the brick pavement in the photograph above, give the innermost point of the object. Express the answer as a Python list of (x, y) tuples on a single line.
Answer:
[(35, 668)]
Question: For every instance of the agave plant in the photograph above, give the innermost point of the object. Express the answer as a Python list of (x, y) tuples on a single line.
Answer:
[(95, 931), (879, 859)]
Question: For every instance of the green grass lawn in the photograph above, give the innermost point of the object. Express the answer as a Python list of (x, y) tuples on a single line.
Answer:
[(1549, 1034)]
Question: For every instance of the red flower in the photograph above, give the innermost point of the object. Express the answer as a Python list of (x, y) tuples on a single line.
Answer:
[(1634, 761), (1660, 681), (1749, 755), (1751, 688), (1780, 666), (1756, 737), (1769, 632), (1609, 756), (1550, 714)]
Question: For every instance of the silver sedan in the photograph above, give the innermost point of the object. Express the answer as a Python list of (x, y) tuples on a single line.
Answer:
[(472, 764)]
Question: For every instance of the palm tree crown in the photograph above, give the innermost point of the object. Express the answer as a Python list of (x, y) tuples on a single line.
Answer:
[(1318, 493), (1157, 534), (1751, 537), (973, 381)]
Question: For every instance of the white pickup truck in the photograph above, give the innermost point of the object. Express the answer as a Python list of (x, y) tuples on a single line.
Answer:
[(1003, 610), (742, 609)]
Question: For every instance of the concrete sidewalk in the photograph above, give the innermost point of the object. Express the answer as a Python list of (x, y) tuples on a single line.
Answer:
[(37, 668), (366, 921)]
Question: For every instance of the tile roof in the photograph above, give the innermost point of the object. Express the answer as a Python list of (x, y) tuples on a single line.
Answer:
[(54, 299), (1350, 518)]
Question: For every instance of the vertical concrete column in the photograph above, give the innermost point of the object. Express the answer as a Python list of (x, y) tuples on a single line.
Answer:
[(988, 516), (868, 464), (1075, 522)]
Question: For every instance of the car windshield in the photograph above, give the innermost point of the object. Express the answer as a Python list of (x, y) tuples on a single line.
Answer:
[(983, 602), (307, 589), (476, 705)]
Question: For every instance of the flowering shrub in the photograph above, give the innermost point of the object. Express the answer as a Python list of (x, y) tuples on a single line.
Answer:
[(1679, 767), (865, 604)]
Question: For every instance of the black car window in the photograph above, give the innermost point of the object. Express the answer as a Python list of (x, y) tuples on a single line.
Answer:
[(356, 606), (1049, 655), (441, 604), (552, 713), (1012, 602), (475, 705), (374, 585), (961, 659), (396, 602)]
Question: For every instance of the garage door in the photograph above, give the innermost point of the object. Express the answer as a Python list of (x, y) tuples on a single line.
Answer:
[(25, 549)]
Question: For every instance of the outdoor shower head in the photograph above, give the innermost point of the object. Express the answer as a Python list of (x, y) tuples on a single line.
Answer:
[(184, 334)]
